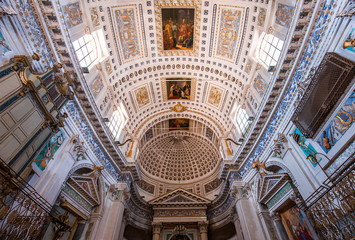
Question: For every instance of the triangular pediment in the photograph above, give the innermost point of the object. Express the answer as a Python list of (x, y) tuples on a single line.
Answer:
[(86, 186), (269, 184), (179, 197)]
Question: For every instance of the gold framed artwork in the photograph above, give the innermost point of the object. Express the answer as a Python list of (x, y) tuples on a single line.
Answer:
[(295, 224), (178, 28), (178, 89), (179, 124)]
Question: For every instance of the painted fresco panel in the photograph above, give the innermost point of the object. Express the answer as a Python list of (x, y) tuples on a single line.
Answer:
[(179, 124), (215, 96), (348, 40), (259, 85), (72, 14), (127, 31), (209, 133), (142, 96), (296, 225), (229, 33), (284, 14), (302, 143), (48, 151), (178, 28), (340, 124), (96, 86), (4, 47)]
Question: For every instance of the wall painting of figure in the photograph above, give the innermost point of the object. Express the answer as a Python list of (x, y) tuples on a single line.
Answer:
[(178, 28), (179, 124), (347, 44), (178, 88), (296, 225)]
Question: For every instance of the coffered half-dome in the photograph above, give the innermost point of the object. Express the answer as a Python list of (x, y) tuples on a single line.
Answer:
[(179, 156)]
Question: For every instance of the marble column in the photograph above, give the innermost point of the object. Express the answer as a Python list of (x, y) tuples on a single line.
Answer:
[(266, 221), (156, 230), (113, 215), (203, 226), (236, 222), (280, 230), (249, 220)]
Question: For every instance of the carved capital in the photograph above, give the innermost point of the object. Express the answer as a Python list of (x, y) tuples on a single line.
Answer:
[(296, 198), (275, 216), (157, 227), (203, 226)]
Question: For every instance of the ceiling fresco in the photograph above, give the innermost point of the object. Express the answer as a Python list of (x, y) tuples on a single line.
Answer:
[(181, 70)]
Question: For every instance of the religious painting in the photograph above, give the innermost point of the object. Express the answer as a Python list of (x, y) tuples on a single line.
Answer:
[(178, 88), (295, 224), (339, 125), (142, 96), (179, 124), (215, 96), (178, 28), (347, 44)]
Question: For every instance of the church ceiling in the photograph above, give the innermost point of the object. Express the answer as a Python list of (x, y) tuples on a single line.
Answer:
[(157, 55)]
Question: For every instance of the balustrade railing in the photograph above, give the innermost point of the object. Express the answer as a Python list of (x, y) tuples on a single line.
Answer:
[(24, 214), (331, 207)]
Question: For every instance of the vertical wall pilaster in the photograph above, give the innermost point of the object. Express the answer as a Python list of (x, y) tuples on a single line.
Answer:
[(113, 215)]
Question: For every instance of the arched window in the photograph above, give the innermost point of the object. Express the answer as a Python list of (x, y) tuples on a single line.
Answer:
[(85, 49), (270, 50), (242, 121), (118, 121)]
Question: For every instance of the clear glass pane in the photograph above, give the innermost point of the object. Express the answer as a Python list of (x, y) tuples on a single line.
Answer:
[(267, 47), (273, 62), (76, 45), (280, 44), (85, 50), (277, 55), (275, 41), (79, 54), (269, 38), (81, 41), (268, 60), (87, 38), (272, 51), (263, 56)]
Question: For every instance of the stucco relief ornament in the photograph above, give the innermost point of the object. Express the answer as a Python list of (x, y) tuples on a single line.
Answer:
[(78, 149), (178, 108), (87, 30), (279, 148), (270, 30), (6, 9)]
